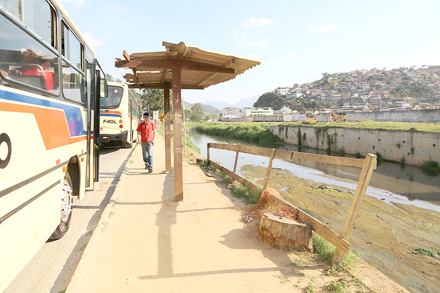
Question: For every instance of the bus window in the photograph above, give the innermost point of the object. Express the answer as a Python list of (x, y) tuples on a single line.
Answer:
[(35, 14), (25, 60), (13, 6), (73, 84), (72, 49), (114, 98)]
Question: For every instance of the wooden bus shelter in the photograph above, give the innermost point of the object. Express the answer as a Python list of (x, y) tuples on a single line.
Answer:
[(179, 67)]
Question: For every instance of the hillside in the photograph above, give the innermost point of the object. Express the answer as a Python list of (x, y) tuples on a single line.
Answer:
[(208, 109)]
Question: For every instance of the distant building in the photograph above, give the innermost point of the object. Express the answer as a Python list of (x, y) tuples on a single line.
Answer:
[(230, 112), (265, 111), (376, 101), (282, 90)]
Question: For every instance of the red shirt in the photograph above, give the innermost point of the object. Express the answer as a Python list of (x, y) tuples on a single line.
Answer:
[(146, 131)]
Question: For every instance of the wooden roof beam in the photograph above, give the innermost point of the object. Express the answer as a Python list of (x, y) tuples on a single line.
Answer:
[(159, 64), (214, 74), (162, 85)]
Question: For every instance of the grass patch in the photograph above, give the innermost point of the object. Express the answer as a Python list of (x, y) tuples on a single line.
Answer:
[(368, 124), (323, 248), (325, 251), (241, 191), (338, 286), (432, 252), (310, 288)]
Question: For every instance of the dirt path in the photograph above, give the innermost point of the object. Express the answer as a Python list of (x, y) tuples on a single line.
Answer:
[(146, 242), (385, 235)]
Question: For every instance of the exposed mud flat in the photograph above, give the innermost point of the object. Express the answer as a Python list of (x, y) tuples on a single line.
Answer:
[(385, 235)]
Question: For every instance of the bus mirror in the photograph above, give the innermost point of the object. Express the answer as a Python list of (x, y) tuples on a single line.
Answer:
[(104, 88)]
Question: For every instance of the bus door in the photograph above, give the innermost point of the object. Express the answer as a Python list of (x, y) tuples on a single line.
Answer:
[(93, 96), (130, 109), (90, 122)]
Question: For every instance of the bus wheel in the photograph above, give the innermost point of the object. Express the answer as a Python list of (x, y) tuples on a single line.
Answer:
[(66, 208)]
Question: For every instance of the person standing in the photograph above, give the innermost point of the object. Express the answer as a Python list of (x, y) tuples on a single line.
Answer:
[(146, 131)]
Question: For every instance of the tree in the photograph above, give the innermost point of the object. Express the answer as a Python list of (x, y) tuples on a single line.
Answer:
[(270, 100), (110, 78), (152, 100), (187, 114), (197, 112)]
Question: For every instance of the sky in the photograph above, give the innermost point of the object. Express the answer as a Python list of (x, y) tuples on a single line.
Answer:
[(296, 40)]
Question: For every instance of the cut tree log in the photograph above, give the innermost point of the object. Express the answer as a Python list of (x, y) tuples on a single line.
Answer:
[(285, 233)]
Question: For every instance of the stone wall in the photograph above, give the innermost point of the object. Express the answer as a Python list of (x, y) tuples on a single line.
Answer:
[(409, 146), (432, 115)]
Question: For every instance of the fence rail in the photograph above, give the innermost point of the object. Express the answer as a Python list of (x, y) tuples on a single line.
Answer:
[(340, 241)]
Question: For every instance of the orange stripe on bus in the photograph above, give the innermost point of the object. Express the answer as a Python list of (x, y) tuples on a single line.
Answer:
[(54, 130)]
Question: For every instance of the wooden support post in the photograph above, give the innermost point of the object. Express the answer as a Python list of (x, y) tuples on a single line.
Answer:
[(208, 145), (236, 157), (364, 180), (177, 137), (269, 168), (166, 99)]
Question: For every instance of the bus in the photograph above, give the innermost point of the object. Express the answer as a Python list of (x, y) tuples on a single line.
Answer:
[(50, 88), (120, 116)]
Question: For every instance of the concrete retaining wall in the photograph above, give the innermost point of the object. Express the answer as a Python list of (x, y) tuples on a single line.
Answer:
[(432, 115), (412, 147)]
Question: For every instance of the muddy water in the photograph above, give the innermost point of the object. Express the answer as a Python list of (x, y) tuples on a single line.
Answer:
[(390, 182), (400, 213)]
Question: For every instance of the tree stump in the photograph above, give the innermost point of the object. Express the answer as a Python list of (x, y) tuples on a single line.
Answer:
[(283, 233)]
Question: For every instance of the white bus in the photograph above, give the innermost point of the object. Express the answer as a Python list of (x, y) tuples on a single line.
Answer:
[(50, 84), (120, 116)]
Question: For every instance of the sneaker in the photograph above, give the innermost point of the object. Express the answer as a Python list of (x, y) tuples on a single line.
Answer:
[(146, 167), (150, 170)]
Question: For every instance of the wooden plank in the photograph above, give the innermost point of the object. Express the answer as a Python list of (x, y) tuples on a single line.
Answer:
[(167, 123), (329, 159), (126, 56), (269, 168), (288, 155), (177, 137), (252, 186), (361, 188), (321, 229), (244, 149), (283, 155)]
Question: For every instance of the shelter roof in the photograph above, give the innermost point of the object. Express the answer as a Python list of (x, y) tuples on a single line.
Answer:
[(200, 68)]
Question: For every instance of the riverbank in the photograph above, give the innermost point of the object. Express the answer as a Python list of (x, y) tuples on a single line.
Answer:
[(385, 235), (397, 142)]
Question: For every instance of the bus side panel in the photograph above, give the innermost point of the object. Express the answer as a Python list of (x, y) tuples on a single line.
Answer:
[(37, 147)]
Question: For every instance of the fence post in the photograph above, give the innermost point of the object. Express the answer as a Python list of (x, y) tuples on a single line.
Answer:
[(361, 188), (208, 146), (236, 157), (269, 168)]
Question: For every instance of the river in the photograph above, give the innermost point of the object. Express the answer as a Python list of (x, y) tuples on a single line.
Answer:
[(390, 182)]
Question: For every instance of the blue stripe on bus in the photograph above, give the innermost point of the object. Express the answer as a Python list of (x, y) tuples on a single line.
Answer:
[(69, 111), (112, 115)]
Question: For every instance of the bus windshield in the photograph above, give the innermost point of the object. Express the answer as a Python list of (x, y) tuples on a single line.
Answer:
[(114, 97)]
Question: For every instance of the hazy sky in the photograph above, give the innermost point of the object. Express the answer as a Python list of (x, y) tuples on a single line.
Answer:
[(296, 40)]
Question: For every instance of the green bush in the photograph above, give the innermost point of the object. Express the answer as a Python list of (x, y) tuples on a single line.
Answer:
[(430, 168), (250, 132)]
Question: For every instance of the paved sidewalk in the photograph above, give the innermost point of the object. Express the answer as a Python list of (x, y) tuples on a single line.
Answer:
[(146, 242)]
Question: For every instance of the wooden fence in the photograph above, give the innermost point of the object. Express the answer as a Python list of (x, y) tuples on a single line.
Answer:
[(340, 241)]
